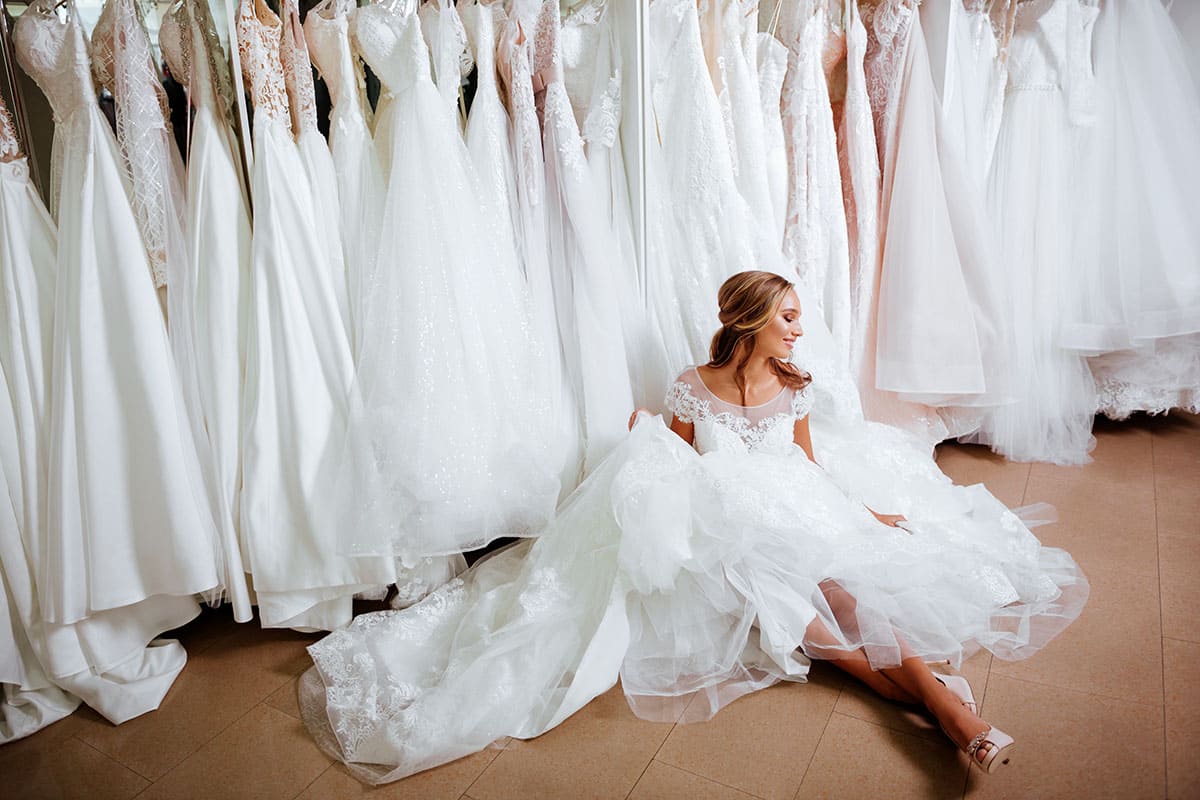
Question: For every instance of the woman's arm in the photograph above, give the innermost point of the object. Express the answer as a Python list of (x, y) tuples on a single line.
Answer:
[(803, 437)]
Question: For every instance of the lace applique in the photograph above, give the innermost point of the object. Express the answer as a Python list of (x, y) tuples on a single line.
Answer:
[(686, 407), (10, 147), (297, 70), (527, 136), (258, 33), (887, 25), (603, 122), (124, 62)]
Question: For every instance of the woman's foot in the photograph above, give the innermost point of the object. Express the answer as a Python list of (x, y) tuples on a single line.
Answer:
[(988, 747)]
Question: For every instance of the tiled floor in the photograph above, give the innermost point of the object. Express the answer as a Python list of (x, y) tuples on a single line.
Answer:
[(1110, 710)]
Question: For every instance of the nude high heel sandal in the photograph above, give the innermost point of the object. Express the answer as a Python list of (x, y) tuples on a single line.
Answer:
[(998, 754), (959, 687)]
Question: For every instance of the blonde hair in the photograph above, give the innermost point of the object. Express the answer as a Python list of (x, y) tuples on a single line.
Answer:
[(748, 303)]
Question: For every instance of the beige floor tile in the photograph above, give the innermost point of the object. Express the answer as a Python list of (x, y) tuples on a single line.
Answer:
[(664, 782), (1177, 499), (1114, 648), (285, 699), (861, 703), (1123, 453), (66, 769), (1176, 437), (968, 464), (216, 687), (1103, 524), (447, 782), (760, 743), (211, 627), (859, 760), (600, 752), (1072, 745), (1181, 671), (264, 755), (1179, 560)]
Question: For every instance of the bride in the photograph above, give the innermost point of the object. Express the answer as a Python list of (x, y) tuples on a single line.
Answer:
[(704, 560)]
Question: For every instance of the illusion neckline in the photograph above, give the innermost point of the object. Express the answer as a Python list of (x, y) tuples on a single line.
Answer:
[(719, 399)]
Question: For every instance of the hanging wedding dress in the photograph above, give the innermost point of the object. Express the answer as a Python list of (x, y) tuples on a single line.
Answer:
[(355, 162), (127, 518), (589, 279), (1030, 202), (432, 465), (29, 700), (859, 161), (1135, 285), (532, 219), (592, 74), (699, 227), (772, 56), (123, 60), (314, 151), (109, 436), (450, 55), (299, 370), (693, 574), (815, 241), (210, 305)]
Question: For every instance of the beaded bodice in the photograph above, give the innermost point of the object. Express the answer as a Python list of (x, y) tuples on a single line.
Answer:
[(729, 428), (190, 46), (259, 33), (297, 70), (390, 41), (54, 52)]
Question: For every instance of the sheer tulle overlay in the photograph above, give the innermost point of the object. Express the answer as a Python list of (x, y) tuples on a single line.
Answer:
[(696, 575)]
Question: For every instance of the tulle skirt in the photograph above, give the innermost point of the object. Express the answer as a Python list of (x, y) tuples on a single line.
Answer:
[(298, 373), (434, 462), (690, 577)]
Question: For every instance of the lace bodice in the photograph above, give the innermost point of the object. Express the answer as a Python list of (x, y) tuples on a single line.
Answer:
[(327, 29), (10, 146), (481, 22), (54, 52), (259, 35), (887, 23), (297, 70), (547, 58), (391, 43), (188, 39), (730, 428), (1051, 50), (580, 40)]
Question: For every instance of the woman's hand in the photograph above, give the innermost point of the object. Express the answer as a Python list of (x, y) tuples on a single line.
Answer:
[(890, 520), (633, 418)]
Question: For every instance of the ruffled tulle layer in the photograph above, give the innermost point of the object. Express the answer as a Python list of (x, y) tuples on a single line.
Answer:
[(690, 576)]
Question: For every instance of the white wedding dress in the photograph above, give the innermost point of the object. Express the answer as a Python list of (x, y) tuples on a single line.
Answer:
[(299, 370), (1032, 204), (29, 700), (127, 518), (1135, 281), (355, 161), (433, 465), (772, 56), (695, 574), (815, 239), (209, 302), (700, 229), (101, 425)]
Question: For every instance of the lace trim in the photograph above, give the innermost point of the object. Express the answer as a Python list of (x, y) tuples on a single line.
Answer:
[(10, 146), (603, 122), (297, 70), (125, 63), (258, 45)]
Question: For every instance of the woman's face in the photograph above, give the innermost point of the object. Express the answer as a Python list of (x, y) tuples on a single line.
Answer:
[(780, 335)]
